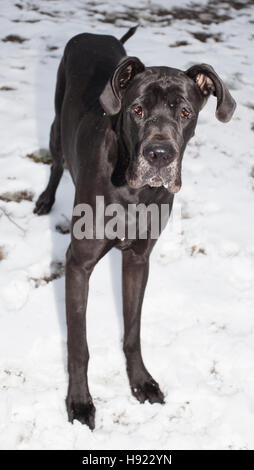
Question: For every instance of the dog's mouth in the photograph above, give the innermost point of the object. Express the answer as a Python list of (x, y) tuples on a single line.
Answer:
[(157, 181), (143, 174)]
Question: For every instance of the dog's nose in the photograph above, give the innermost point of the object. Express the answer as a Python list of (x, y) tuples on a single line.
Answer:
[(159, 154)]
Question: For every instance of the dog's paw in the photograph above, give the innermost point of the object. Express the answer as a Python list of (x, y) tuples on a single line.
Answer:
[(44, 204), (83, 412), (149, 390)]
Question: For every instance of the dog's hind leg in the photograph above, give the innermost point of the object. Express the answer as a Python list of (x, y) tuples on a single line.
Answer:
[(47, 198)]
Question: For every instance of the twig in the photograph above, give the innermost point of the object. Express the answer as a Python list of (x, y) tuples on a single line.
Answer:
[(11, 220)]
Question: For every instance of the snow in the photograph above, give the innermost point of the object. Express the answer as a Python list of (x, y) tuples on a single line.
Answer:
[(197, 324)]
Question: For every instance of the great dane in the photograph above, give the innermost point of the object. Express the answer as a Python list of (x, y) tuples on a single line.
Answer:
[(122, 129)]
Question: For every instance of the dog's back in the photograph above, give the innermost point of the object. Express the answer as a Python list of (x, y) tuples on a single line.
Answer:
[(86, 66), (89, 61)]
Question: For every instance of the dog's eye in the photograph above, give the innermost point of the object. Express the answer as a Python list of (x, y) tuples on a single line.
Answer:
[(185, 113), (138, 110)]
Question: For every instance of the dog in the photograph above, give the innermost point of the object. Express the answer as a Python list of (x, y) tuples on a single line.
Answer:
[(122, 129)]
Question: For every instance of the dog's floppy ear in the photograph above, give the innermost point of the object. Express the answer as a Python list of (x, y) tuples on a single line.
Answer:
[(113, 92), (210, 83)]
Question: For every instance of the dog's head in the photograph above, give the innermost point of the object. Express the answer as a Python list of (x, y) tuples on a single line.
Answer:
[(159, 109)]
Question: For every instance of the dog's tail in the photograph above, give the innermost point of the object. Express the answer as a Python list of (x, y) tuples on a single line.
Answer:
[(129, 33)]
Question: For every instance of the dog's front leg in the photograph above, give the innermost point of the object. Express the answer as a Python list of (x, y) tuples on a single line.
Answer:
[(135, 275), (79, 402)]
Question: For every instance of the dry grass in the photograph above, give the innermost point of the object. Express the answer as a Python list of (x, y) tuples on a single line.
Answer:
[(17, 196), (195, 250), (57, 271), (2, 253), (7, 88), (40, 156), (14, 38)]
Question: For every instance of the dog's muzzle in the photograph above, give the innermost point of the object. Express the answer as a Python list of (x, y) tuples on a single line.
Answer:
[(157, 165)]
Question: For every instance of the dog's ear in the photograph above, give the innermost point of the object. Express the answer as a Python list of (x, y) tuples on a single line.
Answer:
[(210, 83), (113, 92)]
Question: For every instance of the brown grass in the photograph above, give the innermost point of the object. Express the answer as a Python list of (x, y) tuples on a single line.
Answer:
[(57, 271), (17, 196), (2, 253), (40, 156), (14, 38), (195, 250), (7, 88)]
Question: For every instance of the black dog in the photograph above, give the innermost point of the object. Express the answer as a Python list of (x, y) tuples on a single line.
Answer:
[(122, 129)]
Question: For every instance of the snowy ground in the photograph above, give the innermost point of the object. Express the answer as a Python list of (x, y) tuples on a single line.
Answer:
[(198, 323)]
